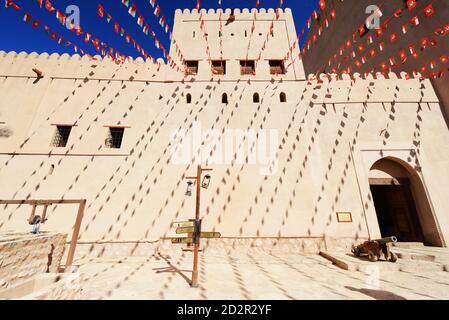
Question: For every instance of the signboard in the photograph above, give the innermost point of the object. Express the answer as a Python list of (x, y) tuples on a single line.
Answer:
[(181, 240), (344, 217), (185, 230), (183, 224), (210, 235)]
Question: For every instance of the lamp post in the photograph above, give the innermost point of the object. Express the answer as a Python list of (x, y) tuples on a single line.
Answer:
[(197, 234)]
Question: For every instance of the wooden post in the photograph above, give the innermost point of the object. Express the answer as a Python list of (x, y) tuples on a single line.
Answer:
[(194, 283), (33, 214), (76, 231)]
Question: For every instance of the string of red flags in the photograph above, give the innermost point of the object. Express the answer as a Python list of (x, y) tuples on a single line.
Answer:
[(220, 35), (163, 23), (270, 31), (358, 49), (428, 68), (122, 32), (36, 24), (100, 46), (205, 34), (156, 12), (134, 12)]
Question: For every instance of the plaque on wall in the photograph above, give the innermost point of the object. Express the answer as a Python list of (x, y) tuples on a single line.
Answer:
[(344, 217)]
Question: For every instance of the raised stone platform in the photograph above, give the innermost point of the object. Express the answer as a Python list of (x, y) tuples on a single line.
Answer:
[(412, 258), (24, 255)]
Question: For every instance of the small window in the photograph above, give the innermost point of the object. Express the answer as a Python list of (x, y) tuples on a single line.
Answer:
[(115, 137), (194, 34), (61, 136), (224, 98), (219, 67), (247, 67), (283, 97), (192, 67), (189, 98), (256, 98), (276, 67)]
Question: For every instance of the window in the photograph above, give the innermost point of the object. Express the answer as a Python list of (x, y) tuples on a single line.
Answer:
[(276, 67), (115, 137), (247, 67), (192, 67), (61, 136), (219, 67), (283, 97), (189, 98), (224, 98), (256, 98)]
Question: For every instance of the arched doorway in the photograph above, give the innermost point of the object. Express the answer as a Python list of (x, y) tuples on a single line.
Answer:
[(402, 207)]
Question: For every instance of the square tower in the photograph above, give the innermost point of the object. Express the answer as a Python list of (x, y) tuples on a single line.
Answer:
[(235, 44)]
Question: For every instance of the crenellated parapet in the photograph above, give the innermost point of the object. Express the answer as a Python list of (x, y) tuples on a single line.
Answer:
[(244, 13), (55, 65)]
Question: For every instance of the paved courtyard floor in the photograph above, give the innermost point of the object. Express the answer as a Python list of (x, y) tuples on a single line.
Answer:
[(254, 275)]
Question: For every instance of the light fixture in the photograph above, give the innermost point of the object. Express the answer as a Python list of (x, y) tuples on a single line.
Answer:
[(206, 181), (189, 189)]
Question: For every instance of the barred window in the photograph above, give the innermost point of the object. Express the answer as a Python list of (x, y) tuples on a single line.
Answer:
[(247, 67), (61, 136), (219, 67), (276, 67), (191, 67), (115, 137)]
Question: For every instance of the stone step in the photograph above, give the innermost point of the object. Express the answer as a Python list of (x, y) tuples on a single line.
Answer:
[(408, 244)]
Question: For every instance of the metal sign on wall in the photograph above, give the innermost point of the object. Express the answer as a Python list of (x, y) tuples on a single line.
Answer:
[(344, 217)]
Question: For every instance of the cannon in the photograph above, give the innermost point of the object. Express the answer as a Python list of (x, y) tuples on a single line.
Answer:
[(374, 249)]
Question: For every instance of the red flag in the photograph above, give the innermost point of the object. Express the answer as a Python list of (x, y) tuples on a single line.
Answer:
[(411, 4), (198, 4), (100, 11), (393, 37), (428, 11), (49, 6), (322, 4)]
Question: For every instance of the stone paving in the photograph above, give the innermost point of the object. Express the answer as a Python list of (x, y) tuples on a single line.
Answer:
[(254, 274)]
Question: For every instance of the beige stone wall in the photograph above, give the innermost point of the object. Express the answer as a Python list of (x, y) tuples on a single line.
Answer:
[(330, 134), (237, 41), (24, 255)]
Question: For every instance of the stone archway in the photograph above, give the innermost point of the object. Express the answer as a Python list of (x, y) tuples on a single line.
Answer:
[(401, 203)]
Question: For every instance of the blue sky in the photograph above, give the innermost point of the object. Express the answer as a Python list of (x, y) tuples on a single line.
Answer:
[(15, 35)]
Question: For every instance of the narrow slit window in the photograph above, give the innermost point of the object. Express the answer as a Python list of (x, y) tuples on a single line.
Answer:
[(189, 98), (283, 97), (61, 136), (256, 98), (115, 138), (224, 98)]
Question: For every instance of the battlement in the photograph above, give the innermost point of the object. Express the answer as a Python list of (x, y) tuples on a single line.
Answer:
[(239, 13)]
